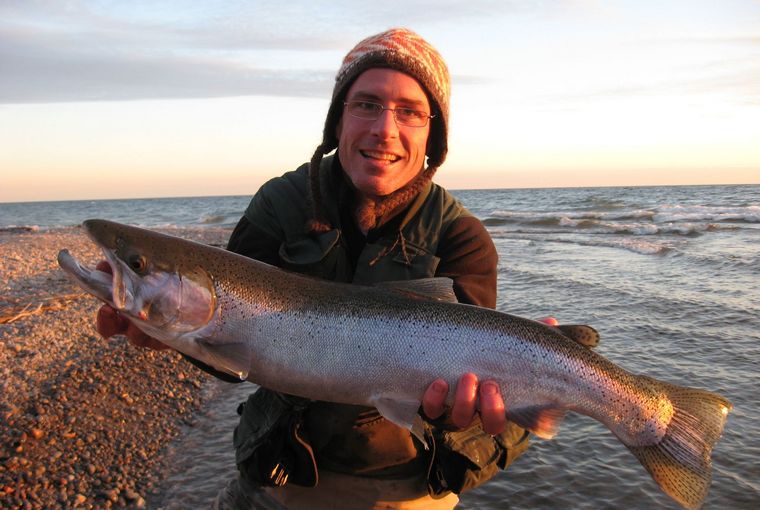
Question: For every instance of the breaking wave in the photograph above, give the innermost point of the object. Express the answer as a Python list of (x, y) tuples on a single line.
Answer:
[(675, 213), (666, 220), (640, 226), (637, 245), (213, 219), (538, 217), (666, 213), (566, 225)]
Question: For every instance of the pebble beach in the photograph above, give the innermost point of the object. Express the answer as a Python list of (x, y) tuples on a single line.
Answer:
[(84, 421), (668, 275)]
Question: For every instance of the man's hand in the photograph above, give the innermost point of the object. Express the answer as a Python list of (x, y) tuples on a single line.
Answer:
[(468, 393), (109, 323)]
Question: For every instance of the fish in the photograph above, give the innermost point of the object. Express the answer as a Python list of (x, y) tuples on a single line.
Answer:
[(382, 345)]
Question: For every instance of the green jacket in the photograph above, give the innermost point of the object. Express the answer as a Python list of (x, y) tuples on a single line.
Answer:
[(281, 209), (432, 236)]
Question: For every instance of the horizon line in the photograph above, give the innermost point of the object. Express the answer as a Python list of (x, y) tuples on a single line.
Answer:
[(451, 190)]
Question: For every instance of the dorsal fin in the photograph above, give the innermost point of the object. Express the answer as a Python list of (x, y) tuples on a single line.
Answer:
[(431, 289)]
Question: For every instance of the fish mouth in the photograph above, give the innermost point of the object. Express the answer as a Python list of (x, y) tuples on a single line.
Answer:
[(111, 287), (98, 283), (118, 286)]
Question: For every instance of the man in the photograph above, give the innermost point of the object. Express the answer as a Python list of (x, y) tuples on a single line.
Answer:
[(369, 213)]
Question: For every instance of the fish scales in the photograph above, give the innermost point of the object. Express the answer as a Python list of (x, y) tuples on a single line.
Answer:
[(382, 346)]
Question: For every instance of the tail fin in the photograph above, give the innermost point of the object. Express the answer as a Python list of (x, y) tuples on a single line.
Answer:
[(680, 462)]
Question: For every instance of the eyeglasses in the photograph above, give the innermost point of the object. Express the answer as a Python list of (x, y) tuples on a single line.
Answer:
[(368, 110)]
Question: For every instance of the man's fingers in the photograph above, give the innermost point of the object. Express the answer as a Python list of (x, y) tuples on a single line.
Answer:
[(492, 411), (464, 400), (434, 399), (140, 339), (551, 321), (469, 394), (109, 323)]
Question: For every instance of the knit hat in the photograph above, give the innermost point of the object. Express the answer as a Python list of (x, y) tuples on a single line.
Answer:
[(402, 50)]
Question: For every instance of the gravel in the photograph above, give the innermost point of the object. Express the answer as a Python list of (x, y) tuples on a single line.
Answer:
[(84, 422)]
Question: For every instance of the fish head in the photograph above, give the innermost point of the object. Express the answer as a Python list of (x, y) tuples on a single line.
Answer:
[(164, 293)]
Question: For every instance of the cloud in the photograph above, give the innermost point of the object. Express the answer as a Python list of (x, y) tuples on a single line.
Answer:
[(742, 83), (738, 86), (79, 56), (719, 66), (48, 70), (53, 51)]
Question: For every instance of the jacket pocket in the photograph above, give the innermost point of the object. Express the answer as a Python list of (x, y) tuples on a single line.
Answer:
[(271, 446), (464, 459), (321, 256)]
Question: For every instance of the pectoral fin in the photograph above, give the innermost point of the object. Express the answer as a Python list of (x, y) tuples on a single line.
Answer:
[(403, 413)]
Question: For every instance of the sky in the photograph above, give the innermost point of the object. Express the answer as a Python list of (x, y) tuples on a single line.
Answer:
[(113, 99)]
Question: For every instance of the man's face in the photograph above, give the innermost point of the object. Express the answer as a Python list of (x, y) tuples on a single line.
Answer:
[(380, 156)]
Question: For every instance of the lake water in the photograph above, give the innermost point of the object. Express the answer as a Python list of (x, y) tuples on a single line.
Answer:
[(670, 276)]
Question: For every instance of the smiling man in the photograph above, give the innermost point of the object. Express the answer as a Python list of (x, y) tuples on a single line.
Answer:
[(375, 148), (383, 137), (373, 214), (364, 210)]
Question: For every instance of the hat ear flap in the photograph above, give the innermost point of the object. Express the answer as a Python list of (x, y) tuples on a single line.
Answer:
[(338, 128), (331, 131), (437, 143)]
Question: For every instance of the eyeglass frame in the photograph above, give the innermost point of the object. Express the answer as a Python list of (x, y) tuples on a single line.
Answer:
[(426, 116)]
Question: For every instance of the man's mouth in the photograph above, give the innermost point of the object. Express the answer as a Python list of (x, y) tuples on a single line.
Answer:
[(380, 155)]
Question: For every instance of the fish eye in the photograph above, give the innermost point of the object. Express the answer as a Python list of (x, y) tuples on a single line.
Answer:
[(137, 263)]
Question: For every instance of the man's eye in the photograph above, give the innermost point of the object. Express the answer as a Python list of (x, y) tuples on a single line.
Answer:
[(367, 107), (408, 113)]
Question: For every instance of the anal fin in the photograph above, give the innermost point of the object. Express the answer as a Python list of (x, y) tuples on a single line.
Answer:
[(580, 333)]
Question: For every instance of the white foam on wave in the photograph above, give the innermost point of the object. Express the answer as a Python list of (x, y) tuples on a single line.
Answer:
[(573, 215), (636, 245), (15, 229), (567, 225), (212, 219), (639, 245), (662, 219), (692, 213)]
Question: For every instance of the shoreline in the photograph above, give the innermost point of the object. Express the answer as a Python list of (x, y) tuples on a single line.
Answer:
[(84, 422)]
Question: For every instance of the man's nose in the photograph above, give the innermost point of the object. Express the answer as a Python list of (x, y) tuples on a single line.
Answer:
[(385, 125)]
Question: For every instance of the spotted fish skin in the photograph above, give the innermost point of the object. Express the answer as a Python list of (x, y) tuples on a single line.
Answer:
[(382, 346)]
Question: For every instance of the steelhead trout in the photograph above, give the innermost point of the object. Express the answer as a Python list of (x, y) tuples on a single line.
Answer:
[(383, 345)]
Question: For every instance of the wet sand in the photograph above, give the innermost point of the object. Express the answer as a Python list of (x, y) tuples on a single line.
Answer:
[(84, 422)]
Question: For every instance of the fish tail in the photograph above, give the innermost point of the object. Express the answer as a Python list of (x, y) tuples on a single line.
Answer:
[(680, 462)]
